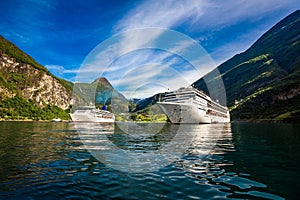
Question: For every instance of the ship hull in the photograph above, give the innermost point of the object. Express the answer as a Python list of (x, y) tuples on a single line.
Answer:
[(90, 118), (188, 113)]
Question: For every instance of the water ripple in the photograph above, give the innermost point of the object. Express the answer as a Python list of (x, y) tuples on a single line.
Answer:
[(51, 163)]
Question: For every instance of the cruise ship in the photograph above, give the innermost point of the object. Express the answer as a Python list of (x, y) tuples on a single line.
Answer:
[(92, 114), (190, 105)]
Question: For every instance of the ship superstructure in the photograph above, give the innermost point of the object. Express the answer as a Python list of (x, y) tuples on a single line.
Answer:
[(91, 114), (190, 105)]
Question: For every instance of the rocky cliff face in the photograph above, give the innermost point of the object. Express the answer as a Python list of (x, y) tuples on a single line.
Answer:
[(23, 79)]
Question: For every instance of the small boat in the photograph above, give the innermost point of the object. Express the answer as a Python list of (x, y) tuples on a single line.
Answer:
[(57, 120), (92, 114)]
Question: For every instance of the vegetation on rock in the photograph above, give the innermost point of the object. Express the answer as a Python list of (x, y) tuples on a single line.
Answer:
[(27, 89), (19, 108)]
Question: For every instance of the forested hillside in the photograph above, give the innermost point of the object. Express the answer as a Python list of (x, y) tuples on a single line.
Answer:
[(263, 83), (27, 89)]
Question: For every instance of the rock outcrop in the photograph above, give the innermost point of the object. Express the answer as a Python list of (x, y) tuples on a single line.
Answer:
[(31, 83)]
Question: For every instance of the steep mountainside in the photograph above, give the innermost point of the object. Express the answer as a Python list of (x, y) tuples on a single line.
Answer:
[(104, 91), (145, 103), (22, 79), (263, 83)]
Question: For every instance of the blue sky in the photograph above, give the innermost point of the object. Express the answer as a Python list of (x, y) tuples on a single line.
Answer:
[(62, 34)]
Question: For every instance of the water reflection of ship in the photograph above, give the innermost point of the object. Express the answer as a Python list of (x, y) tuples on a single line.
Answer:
[(143, 151)]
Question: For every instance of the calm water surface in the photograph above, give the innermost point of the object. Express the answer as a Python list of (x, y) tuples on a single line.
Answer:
[(71, 161)]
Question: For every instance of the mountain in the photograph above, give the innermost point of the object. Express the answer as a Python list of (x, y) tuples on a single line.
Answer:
[(100, 92), (27, 89), (263, 83), (143, 104), (104, 91)]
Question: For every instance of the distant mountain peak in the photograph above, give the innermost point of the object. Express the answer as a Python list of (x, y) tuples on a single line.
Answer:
[(102, 82)]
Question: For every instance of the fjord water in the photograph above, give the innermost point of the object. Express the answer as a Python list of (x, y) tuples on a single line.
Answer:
[(41, 160)]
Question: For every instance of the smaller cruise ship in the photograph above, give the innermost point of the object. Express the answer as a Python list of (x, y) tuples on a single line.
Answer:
[(190, 105), (92, 114)]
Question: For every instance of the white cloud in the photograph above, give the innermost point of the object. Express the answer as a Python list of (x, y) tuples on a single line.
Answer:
[(58, 69), (239, 45), (160, 75), (204, 13), (139, 75), (146, 56), (131, 72), (161, 14), (150, 87), (61, 70), (146, 86)]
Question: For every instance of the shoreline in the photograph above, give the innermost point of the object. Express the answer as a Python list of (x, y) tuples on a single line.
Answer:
[(141, 122), (30, 120)]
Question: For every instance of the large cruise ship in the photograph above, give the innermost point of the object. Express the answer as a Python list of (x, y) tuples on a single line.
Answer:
[(190, 105), (91, 114)]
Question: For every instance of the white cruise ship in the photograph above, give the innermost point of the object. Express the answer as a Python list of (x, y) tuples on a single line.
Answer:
[(190, 105), (91, 114)]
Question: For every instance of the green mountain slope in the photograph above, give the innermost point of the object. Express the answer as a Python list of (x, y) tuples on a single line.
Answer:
[(11, 50), (263, 82), (27, 89)]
